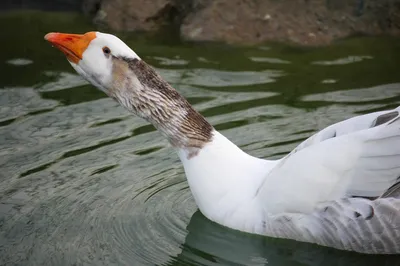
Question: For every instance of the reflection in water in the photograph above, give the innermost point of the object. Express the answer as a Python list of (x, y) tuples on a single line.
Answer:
[(344, 61), (375, 94), (208, 243), (83, 182), (19, 62), (171, 62), (328, 81), (61, 81), (269, 60)]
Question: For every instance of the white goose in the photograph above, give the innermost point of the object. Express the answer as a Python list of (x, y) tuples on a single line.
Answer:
[(339, 188)]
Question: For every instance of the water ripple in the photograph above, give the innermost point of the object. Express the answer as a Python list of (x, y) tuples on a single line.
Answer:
[(269, 60), (18, 102), (376, 93), (343, 61), (20, 62)]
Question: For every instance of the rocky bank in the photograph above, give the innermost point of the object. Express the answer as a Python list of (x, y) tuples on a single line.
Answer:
[(305, 22)]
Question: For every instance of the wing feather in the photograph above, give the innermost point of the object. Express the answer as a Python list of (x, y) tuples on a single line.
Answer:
[(350, 224), (361, 160)]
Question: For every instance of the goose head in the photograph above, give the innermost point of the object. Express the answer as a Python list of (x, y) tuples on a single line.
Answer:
[(110, 65), (94, 55)]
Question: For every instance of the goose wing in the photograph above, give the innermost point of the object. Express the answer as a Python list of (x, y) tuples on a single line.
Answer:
[(354, 224), (350, 125), (359, 157)]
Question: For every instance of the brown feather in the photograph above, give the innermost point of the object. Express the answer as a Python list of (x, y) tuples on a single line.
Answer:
[(139, 88)]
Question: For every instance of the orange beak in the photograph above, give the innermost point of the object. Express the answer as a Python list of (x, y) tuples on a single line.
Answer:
[(72, 45)]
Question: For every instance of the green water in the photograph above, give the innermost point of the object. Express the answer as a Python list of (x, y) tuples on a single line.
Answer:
[(83, 182)]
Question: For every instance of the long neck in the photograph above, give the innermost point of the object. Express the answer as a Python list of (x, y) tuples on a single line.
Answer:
[(223, 179), (139, 88)]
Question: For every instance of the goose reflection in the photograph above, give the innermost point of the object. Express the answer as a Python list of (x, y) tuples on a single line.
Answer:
[(208, 243)]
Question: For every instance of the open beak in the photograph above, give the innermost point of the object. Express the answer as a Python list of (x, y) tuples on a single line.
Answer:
[(72, 45)]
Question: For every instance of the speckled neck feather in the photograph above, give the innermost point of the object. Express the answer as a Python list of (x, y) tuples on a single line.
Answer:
[(139, 88)]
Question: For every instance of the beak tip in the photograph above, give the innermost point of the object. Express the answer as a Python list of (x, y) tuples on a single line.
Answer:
[(49, 36)]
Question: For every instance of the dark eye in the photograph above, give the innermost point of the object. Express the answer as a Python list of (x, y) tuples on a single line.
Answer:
[(106, 50)]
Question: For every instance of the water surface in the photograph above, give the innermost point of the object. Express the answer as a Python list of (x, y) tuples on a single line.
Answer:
[(83, 182)]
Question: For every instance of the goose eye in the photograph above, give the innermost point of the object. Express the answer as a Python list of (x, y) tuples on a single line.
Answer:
[(106, 50)]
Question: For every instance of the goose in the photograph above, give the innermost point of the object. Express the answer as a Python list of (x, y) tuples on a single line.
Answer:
[(339, 188)]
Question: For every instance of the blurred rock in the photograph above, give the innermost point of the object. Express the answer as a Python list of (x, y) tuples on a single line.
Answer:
[(137, 15), (306, 22), (91, 7)]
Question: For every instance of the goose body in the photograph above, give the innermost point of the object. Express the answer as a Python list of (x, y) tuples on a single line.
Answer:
[(339, 188)]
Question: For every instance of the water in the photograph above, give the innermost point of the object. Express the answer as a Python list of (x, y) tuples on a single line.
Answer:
[(83, 182)]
